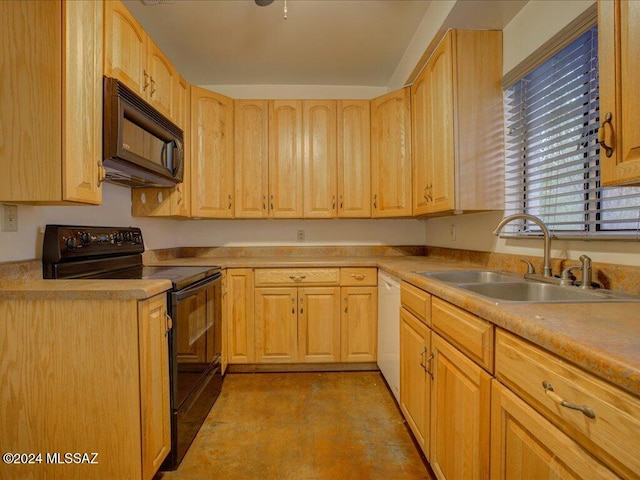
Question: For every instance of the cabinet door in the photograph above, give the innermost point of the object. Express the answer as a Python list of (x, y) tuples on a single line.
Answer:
[(319, 158), (211, 154), (359, 324), (161, 80), (251, 126), (440, 141), (154, 383), (391, 154), (82, 146), (525, 445), (276, 325), (422, 168), (460, 414), (125, 54), (285, 158), (240, 316), (354, 158), (30, 101), (319, 324), (415, 380), (618, 51)]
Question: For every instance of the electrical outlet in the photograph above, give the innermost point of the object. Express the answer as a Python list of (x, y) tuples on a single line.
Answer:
[(452, 233), (301, 235), (9, 218)]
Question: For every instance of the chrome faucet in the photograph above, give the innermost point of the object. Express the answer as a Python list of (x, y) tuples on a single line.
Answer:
[(545, 233)]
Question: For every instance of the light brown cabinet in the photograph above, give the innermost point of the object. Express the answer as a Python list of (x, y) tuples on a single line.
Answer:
[(304, 315), (457, 125), (619, 74), (354, 158), (112, 365), (359, 336), (211, 154), (132, 57), (51, 102), (460, 414), (415, 376), (239, 316), (391, 154), (285, 159), (297, 324), (251, 158), (319, 165), (593, 415), (526, 445)]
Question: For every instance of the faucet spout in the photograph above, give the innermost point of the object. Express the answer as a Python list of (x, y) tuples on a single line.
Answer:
[(545, 233)]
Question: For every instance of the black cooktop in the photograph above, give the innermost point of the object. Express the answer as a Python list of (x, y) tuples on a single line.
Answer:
[(91, 252)]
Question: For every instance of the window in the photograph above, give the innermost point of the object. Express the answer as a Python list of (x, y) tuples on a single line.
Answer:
[(552, 155)]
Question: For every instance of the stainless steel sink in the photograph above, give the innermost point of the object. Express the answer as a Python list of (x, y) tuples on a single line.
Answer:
[(534, 292), (470, 276), (504, 287)]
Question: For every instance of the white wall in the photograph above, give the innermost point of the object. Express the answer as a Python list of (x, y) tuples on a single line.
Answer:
[(26, 243), (534, 25)]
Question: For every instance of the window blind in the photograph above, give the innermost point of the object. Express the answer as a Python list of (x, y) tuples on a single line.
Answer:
[(552, 156)]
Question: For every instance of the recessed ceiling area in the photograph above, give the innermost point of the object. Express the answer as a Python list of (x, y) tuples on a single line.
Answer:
[(321, 42)]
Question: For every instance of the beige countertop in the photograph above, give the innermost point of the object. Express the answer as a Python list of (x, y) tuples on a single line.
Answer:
[(85, 290), (604, 339)]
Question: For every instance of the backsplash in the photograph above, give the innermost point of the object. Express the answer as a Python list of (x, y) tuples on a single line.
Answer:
[(611, 276)]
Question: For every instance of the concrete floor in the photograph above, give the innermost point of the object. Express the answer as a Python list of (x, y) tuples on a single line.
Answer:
[(303, 426)]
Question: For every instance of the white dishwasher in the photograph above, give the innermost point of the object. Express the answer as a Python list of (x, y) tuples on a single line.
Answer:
[(389, 330)]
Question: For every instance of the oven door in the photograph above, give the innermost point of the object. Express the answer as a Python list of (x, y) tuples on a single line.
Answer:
[(196, 335)]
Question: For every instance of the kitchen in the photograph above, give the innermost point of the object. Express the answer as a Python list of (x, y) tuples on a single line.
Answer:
[(471, 232)]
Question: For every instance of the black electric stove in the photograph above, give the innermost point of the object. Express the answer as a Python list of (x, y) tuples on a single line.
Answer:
[(194, 303)]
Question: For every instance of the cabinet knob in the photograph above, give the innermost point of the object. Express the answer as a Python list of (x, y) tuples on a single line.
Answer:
[(548, 390)]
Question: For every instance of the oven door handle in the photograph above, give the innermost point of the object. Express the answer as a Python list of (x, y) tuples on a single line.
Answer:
[(195, 288)]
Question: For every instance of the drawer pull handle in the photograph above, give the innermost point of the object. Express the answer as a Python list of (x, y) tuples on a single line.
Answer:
[(297, 278), (357, 276), (587, 411)]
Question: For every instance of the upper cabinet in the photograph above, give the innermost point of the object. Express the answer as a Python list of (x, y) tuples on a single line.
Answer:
[(285, 158), (457, 126), (51, 102), (391, 154), (211, 154), (319, 158), (618, 53), (251, 154), (132, 57), (354, 158)]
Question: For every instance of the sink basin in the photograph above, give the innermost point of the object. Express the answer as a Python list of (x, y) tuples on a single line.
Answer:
[(534, 292), (470, 276)]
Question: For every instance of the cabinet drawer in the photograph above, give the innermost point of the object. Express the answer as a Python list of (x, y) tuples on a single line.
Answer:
[(416, 301), (356, 277), (613, 434), (297, 276), (469, 333)]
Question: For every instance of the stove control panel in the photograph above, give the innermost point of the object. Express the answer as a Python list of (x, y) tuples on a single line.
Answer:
[(65, 242)]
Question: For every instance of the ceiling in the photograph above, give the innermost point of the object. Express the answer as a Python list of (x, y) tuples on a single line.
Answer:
[(321, 42)]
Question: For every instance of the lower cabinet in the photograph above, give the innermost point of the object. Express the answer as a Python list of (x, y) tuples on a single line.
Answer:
[(107, 391), (415, 376), (526, 445), (301, 315), (460, 414)]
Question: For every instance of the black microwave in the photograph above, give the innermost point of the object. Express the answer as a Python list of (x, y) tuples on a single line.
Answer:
[(141, 147)]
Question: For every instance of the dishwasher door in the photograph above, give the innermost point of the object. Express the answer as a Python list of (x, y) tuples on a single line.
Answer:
[(389, 330)]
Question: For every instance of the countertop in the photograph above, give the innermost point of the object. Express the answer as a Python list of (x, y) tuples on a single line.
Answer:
[(604, 339), (85, 290)]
